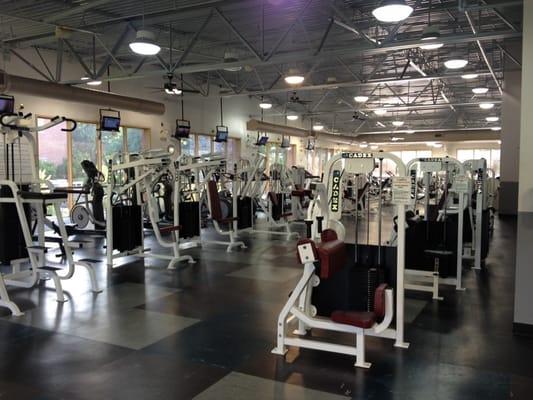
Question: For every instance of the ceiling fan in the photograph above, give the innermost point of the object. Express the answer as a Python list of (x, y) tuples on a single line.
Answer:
[(295, 99), (171, 88)]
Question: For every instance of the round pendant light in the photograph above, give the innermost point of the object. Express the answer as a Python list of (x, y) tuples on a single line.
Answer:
[(144, 44), (456, 63), (392, 11), (480, 90)]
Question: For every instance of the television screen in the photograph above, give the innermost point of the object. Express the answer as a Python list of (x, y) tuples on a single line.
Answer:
[(7, 104), (183, 128), (262, 141), (310, 145), (221, 134), (110, 123), (285, 143)]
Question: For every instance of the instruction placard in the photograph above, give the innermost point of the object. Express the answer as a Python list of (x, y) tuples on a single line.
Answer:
[(460, 184), (401, 190)]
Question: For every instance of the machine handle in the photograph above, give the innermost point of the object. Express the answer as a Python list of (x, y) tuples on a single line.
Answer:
[(11, 126), (74, 125)]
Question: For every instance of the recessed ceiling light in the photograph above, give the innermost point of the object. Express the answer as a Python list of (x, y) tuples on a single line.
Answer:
[(363, 145), (469, 76), (85, 78), (397, 123), (374, 147), (496, 128), (380, 111), (292, 117), (396, 138), (144, 44), (480, 90), (94, 82), (265, 105), (410, 131), (455, 63), (361, 99), (318, 127), (392, 11), (486, 106), (492, 119), (437, 145)]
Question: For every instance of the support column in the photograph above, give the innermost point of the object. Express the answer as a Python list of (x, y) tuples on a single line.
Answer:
[(523, 311), (510, 133)]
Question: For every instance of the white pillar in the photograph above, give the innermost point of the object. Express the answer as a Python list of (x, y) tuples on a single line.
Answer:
[(523, 311)]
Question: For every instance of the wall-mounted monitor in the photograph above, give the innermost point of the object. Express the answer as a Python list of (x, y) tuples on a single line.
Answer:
[(7, 104), (310, 145), (221, 134), (262, 141), (285, 143), (183, 129), (109, 123)]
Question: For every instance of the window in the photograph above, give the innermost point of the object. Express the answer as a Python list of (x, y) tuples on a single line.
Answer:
[(83, 148), (491, 155), (233, 150), (134, 139), (188, 146), (53, 153), (112, 143), (204, 145), (219, 147)]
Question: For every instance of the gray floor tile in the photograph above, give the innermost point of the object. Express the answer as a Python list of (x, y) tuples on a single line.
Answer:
[(241, 386), (267, 273), (413, 308)]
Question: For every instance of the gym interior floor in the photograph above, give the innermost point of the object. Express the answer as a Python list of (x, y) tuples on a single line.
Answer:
[(205, 331)]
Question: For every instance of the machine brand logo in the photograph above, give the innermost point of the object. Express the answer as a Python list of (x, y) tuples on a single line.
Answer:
[(335, 190), (357, 155), (431, 159)]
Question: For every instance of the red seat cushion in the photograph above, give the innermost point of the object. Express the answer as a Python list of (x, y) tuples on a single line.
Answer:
[(301, 193), (332, 257), (214, 209), (379, 301), (361, 319)]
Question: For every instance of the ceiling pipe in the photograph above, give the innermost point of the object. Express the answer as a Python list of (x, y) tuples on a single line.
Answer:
[(13, 83), (256, 125)]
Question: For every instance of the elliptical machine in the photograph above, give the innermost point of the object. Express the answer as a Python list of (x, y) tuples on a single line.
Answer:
[(87, 210)]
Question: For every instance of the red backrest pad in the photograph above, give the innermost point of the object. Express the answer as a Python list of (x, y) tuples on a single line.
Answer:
[(328, 235), (332, 256), (273, 198), (214, 209), (379, 301)]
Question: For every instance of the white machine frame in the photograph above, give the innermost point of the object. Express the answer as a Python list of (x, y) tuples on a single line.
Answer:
[(298, 307)]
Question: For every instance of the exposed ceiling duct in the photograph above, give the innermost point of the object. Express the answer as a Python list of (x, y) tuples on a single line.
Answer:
[(34, 87), (255, 125)]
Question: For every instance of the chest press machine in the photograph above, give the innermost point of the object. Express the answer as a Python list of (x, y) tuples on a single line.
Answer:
[(323, 261)]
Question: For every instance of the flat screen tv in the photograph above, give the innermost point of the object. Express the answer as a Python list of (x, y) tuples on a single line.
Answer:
[(285, 143), (310, 145), (221, 135), (7, 104), (183, 129), (111, 124), (262, 141)]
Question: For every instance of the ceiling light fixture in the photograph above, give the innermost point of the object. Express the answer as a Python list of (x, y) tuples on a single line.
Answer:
[(410, 131), (292, 117), (392, 11), (85, 78), (380, 111), (374, 147), (363, 145), (480, 90), (486, 106), (431, 34), (398, 124), (496, 128), (361, 99), (94, 82), (492, 119), (265, 105), (437, 145), (318, 127), (396, 138), (293, 77), (469, 76), (144, 44), (456, 63)]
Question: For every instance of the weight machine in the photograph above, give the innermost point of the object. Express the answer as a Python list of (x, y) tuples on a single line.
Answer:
[(21, 192)]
